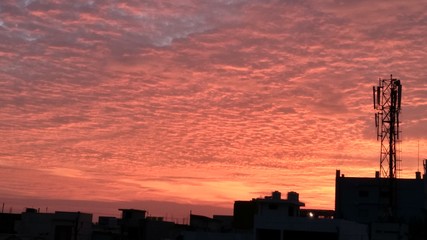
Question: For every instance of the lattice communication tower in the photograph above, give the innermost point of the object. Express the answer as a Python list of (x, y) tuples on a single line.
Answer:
[(387, 98)]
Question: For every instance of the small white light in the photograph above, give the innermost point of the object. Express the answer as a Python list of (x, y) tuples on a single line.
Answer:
[(310, 214)]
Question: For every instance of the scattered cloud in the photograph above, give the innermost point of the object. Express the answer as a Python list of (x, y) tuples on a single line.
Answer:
[(171, 98)]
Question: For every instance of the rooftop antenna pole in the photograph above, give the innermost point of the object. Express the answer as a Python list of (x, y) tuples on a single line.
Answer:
[(418, 169)]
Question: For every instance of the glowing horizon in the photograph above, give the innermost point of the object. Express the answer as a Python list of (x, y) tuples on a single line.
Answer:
[(202, 102)]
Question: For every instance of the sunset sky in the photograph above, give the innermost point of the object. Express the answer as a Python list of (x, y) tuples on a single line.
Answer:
[(200, 102)]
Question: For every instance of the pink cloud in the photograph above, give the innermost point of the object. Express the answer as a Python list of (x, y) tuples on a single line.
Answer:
[(146, 97)]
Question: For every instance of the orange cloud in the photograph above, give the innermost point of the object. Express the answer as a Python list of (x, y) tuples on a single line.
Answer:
[(201, 102)]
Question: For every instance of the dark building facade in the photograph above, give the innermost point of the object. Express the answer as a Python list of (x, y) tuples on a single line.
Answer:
[(393, 208), (365, 199)]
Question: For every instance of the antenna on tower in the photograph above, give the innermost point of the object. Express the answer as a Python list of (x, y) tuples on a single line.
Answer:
[(387, 101)]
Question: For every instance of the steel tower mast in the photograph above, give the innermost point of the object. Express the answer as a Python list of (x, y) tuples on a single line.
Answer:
[(387, 101)]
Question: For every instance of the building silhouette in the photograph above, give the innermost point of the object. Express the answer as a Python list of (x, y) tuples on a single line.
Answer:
[(365, 200), (274, 218), (32, 224), (358, 216)]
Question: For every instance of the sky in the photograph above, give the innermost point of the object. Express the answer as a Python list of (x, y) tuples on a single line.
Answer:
[(198, 103)]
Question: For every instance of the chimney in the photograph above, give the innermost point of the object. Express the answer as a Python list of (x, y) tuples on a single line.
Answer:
[(338, 173)]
